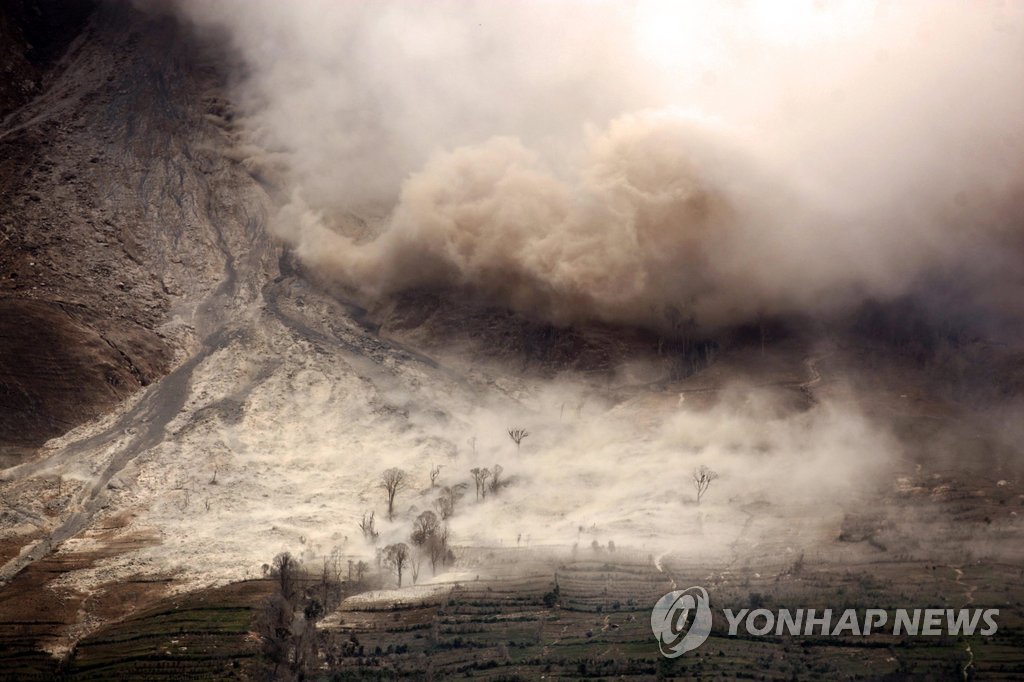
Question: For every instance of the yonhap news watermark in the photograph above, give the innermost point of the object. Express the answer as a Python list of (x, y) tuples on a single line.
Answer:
[(682, 619)]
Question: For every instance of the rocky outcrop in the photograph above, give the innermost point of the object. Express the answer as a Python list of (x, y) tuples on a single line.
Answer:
[(33, 33), (123, 223)]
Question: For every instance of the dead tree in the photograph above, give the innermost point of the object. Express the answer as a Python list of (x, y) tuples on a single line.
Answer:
[(272, 622), (392, 481), (450, 496), (367, 526), (480, 476), (285, 568), (396, 556), (517, 436), (496, 481), (434, 472), (437, 548), (424, 527), (702, 477), (414, 567)]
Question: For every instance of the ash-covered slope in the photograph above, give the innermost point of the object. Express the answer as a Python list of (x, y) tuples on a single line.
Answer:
[(120, 214), (231, 405)]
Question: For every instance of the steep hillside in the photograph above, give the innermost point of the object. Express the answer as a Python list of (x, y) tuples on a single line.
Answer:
[(121, 217)]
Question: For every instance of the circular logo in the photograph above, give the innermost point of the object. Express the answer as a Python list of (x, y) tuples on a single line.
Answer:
[(681, 621)]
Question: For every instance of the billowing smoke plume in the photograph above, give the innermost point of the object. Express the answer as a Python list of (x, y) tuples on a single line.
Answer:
[(645, 162)]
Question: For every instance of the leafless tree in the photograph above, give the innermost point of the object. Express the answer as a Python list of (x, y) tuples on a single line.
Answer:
[(434, 472), (286, 621), (517, 436), (480, 476), (425, 526), (285, 568), (450, 495), (336, 563), (414, 566), (367, 526), (396, 556), (437, 548), (392, 481), (496, 481), (272, 622), (702, 477), (430, 535)]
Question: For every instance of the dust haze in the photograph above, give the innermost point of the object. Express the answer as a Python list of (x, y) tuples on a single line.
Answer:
[(644, 162), (666, 166)]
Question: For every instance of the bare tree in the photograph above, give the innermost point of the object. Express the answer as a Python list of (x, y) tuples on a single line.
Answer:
[(496, 481), (285, 568), (392, 481), (434, 472), (367, 526), (437, 548), (414, 566), (450, 495), (272, 622), (425, 525), (286, 620), (517, 436), (430, 535), (480, 477), (702, 477), (396, 556)]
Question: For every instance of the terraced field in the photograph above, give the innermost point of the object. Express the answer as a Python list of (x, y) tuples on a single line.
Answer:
[(597, 625), (539, 614), (198, 636)]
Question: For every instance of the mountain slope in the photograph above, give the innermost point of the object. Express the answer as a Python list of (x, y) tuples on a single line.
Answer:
[(121, 218)]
